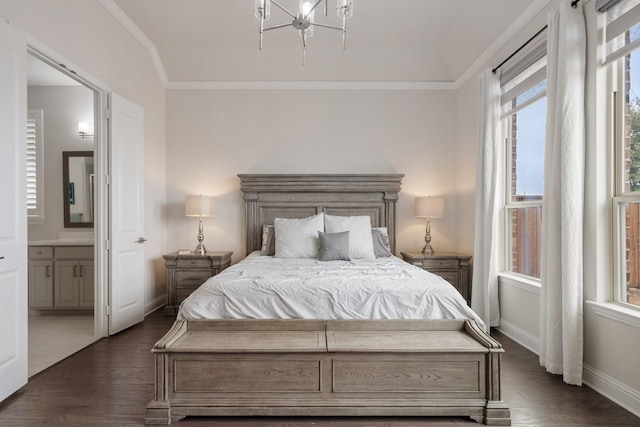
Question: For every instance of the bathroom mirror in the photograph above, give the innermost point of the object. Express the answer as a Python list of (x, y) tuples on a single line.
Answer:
[(77, 185)]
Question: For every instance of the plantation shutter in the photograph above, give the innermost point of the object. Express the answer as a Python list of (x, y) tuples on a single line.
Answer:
[(34, 164)]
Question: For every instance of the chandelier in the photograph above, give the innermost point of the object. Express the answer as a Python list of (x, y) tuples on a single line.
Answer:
[(303, 20)]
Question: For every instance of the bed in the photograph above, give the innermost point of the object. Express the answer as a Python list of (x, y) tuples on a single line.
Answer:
[(227, 354)]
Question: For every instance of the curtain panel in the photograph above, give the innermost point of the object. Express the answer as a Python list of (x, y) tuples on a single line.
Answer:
[(484, 295), (561, 302)]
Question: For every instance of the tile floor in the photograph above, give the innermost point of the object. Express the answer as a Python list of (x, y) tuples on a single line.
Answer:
[(53, 337)]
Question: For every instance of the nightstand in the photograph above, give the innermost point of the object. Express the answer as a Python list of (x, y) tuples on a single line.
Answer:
[(185, 272), (451, 266)]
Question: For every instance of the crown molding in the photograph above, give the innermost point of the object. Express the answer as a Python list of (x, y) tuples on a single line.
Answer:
[(136, 32), (516, 26), (310, 85), (512, 30)]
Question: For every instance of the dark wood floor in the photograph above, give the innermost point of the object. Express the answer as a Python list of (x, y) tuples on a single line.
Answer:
[(110, 383)]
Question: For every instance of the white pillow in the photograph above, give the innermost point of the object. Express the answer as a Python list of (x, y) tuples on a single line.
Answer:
[(359, 228), (298, 238)]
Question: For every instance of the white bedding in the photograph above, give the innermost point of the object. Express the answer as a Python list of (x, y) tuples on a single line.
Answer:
[(265, 287)]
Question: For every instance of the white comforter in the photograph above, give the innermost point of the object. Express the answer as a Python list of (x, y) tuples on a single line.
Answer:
[(264, 287)]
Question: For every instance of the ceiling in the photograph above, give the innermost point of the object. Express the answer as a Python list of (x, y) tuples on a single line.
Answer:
[(387, 41)]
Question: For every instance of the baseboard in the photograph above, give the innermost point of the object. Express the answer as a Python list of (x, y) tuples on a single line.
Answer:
[(155, 304), (612, 389), (607, 386), (519, 335)]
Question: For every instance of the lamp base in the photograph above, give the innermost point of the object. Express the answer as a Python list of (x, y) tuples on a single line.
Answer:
[(428, 250), (200, 249)]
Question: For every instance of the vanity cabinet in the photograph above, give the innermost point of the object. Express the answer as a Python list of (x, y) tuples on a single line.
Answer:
[(41, 277), (61, 277)]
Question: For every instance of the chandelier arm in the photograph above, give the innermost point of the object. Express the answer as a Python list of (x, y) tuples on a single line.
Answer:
[(344, 32), (284, 9), (304, 48), (277, 27), (261, 30), (328, 26), (312, 9)]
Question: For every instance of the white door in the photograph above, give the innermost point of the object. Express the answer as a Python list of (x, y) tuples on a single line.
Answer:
[(126, 287), (13, 210)]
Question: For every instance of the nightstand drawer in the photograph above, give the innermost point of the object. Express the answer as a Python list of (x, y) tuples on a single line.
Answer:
[(193, 263), (452, 267), (191, 278), (185, 273), (449, 276), (439, 263), (183, 293)]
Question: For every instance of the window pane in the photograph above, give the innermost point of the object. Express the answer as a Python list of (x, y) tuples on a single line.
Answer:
[(525, 226), (631, 147), (527, 151), (631, 258)]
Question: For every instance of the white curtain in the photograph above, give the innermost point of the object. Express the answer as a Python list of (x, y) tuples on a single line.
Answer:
[(484, 295), (561, 326)]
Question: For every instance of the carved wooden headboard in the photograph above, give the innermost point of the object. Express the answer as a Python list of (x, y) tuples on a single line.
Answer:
[(270, 196)]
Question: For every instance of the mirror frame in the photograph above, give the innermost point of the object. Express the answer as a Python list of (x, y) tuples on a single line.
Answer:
[(65, 189)]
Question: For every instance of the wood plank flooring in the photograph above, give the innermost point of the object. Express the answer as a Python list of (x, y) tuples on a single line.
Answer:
[(110, 382)]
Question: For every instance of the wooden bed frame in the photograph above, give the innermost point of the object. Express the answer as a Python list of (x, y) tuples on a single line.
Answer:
[(325, 367)]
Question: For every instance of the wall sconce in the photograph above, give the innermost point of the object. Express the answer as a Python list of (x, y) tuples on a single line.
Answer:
[(199, 206), (429, 207), (83, 130)]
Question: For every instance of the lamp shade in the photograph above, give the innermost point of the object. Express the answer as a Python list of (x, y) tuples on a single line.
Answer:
[(199, 206), (429, 207)]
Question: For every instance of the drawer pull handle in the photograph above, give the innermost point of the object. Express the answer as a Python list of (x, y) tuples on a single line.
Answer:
[(75, 272), (48, 273), (1, 257)]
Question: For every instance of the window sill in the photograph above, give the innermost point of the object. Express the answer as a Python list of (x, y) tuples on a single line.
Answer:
[(616, 312), (522, 282)]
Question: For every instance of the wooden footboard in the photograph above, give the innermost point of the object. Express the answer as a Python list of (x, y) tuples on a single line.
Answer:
[(312, 367)]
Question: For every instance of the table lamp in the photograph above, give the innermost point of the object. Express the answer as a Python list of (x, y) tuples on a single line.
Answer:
[(429, 207), (199, 206)]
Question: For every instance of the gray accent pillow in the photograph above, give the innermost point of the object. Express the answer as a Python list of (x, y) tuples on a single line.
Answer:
[(381, 245), (334, 246)]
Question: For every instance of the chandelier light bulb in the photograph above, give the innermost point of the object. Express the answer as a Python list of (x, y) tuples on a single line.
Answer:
[(262, 9), (305, 7), (345, 8)]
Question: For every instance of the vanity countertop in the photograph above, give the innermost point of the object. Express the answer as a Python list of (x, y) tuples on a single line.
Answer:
[(59, 242)]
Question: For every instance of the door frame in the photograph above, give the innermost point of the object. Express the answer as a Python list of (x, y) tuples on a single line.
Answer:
[(101, 160)]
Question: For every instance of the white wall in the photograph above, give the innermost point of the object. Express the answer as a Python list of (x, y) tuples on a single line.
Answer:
[(611, 340), (63, 107), (213, 135), (89, 36)]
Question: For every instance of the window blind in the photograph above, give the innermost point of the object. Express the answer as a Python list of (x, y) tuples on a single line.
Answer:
[(622, 32), (525, 81)]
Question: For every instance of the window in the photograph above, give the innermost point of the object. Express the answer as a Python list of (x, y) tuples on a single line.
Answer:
[(35, 181), (523, 99), (623, 59)]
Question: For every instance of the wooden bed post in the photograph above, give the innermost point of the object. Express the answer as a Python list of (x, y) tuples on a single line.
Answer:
[(253, 237), (496, 411), (159, 409)]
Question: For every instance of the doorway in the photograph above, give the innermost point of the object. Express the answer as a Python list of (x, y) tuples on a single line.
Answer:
[(62, 147)]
